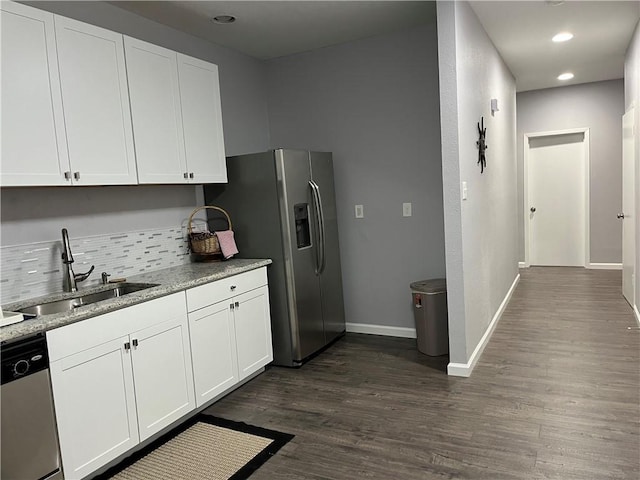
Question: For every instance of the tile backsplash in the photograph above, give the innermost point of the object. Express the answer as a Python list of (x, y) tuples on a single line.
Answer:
[(35, 269)]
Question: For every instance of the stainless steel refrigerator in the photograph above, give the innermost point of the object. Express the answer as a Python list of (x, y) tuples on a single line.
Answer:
[(282, 205)]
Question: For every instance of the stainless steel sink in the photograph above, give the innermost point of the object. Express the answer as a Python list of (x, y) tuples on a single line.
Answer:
[(86, 299)]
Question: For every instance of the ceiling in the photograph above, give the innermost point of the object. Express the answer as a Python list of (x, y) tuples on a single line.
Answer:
[(520, 30), (269, 29)]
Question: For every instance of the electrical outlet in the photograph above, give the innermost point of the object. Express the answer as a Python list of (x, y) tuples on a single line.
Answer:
[(359, 211), (406, 209)]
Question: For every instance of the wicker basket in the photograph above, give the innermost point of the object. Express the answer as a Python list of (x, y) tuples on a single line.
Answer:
[(205, 243)]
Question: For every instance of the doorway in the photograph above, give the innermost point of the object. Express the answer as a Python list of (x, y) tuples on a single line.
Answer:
[(628, 211), (556, 197)]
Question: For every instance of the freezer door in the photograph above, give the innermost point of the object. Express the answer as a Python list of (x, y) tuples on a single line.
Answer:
[(303, 285), (331, 273)]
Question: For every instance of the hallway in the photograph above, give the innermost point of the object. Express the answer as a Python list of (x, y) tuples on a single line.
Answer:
[(556, 395)]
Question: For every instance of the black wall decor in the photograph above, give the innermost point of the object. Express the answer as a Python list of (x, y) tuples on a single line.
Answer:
[(482, 146)]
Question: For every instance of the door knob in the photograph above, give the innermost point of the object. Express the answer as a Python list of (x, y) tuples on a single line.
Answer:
[(533, 209), (621, 215)]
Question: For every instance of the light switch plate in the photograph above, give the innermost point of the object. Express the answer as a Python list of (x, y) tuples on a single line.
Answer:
[(464, 190), (359, 211), (406, 209)]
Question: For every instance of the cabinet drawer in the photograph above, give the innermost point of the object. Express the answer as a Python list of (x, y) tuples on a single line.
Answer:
[(204, 295), (88, 333)]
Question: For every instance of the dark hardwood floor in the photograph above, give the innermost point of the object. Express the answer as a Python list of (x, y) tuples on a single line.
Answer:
[(556, 395)]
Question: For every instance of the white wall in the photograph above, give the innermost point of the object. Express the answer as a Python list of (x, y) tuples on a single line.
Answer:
[(598, 106), (374, 104), (632, 97), (481, 232), (38, 214)]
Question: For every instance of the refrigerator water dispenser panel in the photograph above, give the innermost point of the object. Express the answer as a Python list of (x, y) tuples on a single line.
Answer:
[(303, 234)]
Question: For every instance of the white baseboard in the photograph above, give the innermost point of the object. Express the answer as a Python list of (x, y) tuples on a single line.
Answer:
[(465, 369), (522, 264), (637, 312), (381, 330), (604, 266)]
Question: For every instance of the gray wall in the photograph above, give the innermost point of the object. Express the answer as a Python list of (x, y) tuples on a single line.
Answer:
[(37, 214), (598, 106), (632, 97), (374, 104), (481, 232)]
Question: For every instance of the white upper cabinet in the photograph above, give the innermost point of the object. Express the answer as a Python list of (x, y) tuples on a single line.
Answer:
[(202, 120), (177, 120), (34, 148), (76, 112), (155, 110), (96, 104)]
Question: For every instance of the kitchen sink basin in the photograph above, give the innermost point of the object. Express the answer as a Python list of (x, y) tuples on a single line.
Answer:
[(85, 299)]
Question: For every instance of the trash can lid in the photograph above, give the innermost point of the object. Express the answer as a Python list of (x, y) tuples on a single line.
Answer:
[(430, 287)]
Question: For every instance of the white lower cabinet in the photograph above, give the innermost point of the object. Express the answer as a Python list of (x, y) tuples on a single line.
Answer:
[(162, 374), (230, 339), (121, 377), (112, 390), (95, 406), (213, 349), (253, 331)]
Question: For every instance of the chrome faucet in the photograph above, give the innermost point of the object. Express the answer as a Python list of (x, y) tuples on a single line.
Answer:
[(70, 279)]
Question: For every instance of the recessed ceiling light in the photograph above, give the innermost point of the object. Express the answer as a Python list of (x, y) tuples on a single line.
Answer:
[(562, 37), (223, 19), (565, 76)]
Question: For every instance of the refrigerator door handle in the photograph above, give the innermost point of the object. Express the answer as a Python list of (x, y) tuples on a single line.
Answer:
[(320, 214), (318, 229)]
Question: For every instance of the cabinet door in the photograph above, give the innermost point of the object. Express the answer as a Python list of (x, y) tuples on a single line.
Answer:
[(96, 104), (202, 120), (213, 349), (253, 331), (162, 374), (95, 406), (152, 73), (34, 146)]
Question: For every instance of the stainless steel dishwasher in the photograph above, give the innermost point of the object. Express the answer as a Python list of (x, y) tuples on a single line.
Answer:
[(29, 438)]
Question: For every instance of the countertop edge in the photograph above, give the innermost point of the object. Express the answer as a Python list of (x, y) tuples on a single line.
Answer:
[(183, 277)]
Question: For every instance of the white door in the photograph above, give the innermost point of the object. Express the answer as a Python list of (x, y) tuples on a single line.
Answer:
[(96, 104), (213, 349), (34, 146), (557, 199), (152, 73), (253, 331), (95, 407), (628, 210), (162, 374), (202, 120)]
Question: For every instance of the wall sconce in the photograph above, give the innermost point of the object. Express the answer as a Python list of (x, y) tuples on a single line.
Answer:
[(494, 106)]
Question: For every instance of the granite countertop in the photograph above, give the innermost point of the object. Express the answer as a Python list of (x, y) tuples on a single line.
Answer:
[(169, 280)]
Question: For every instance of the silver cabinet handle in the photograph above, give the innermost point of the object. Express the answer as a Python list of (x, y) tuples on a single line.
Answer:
[(185, 175), (621, 215), (533, 209), (191, 175), (76, 175), (232, 287), (67, 175), (231, 306), (127, 346), (237, 304), (135, 342)]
